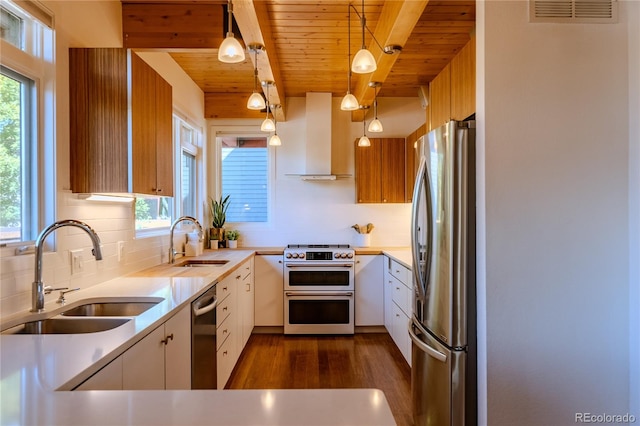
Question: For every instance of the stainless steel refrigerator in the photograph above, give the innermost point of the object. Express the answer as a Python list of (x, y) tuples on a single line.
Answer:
[(443, 325)]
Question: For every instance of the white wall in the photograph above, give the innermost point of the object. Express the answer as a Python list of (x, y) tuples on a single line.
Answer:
[(75, 24), (323, 212), (554, 221)]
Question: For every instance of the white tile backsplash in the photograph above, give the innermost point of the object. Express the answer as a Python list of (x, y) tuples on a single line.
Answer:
[(113, 222)]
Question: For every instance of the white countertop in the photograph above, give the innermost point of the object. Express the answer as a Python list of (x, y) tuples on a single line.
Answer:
[(36, 371), (401, 255)]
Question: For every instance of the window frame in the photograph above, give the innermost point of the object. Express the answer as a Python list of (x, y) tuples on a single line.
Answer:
[(193, 148), (215, 176), (36, 62)]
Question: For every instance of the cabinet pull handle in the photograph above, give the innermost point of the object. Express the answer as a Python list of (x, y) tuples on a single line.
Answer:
[(166, 339), (224, 353), (225, 308), (225, 331), (248, 288), (224, 288), (238, 277)]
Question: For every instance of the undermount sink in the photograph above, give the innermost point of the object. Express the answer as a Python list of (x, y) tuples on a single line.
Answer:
[(119, 308), (201, 262), (67, 326)]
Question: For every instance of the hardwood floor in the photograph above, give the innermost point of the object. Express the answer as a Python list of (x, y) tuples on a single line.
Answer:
[(366, 360)]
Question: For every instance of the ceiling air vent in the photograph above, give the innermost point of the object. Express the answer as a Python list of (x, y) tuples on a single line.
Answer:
[(574, 11)]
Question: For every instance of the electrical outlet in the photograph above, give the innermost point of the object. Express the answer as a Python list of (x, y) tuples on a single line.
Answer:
[(76, 261), (120, 251)]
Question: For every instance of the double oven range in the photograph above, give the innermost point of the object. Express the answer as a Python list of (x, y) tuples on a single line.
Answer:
[(319, 289)]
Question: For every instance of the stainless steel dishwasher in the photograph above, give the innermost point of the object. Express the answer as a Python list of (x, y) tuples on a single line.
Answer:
[(203, 341)]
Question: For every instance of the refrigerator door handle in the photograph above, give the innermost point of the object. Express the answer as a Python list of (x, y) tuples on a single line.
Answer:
[(426, 348), (422, 180)]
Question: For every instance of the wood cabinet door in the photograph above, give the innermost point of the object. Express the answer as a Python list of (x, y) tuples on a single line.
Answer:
[(368, 161), (143, 117), (98, 141), (463, 82), (393, 170), (178, 350), (164, 138), (440, 98)]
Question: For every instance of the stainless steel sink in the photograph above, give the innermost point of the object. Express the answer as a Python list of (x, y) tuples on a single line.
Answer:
[(67, 326), (201, 262), (113, 308)]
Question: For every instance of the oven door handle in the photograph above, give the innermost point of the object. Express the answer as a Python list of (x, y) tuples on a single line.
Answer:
[(306, 294), (320, 265)]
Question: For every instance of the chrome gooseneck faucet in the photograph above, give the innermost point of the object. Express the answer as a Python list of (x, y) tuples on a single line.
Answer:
[(37, 288), (172, 251)]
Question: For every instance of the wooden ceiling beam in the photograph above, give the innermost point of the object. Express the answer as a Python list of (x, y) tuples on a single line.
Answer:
[(395, 25), (172, 25), (255, 26)]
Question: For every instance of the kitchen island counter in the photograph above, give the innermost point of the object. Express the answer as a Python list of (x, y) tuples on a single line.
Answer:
[(38, 371)]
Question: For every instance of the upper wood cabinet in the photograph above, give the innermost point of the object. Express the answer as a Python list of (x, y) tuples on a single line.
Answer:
[(380, 171), (463, 82), (440, 98), (452, 92), (121, 124)]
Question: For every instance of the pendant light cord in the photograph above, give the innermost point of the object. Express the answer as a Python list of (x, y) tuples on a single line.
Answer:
[(230, 14)]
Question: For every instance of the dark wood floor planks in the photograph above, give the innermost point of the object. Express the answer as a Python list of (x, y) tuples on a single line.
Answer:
[(366, 360)]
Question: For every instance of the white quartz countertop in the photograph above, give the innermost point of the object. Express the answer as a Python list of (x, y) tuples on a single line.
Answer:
[(38, 371), (401, 255)]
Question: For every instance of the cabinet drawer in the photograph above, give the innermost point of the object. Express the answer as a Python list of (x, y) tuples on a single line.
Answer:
[(401, 295), (225, 361), (223, 332), (245, 270), (224, 289), (223, 310), (400, 272)]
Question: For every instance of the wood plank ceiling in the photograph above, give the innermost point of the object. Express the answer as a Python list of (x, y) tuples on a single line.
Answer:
[(306, 45)]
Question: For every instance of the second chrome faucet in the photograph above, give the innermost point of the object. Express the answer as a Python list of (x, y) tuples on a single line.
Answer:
[(172, 251)]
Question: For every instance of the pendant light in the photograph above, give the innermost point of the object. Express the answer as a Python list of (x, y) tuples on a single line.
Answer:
[(364, 140), (375, 126), (255, 101), (267, 125), (363, 62), (230, 51), (274, 140), (349, 102)]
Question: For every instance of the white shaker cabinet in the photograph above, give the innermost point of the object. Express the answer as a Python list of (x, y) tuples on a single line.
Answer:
[(269, 287), (162, 359), (369, 290), (108, 378), (246, 300), (398, 301)]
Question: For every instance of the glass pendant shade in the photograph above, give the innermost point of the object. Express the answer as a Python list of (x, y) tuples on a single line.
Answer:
[(375, 126), (349, 103), (230, 51), (268, 125), (275, 140), (256, 101), (363, 62), (364, 141)]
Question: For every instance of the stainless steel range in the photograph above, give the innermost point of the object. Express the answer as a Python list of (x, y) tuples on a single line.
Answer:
[(319, 289)]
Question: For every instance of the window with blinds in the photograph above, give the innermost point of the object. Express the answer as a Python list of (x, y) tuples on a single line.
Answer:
[(244, 178)]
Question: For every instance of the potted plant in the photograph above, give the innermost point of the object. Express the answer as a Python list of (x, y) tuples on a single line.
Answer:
[(218, 210), (232, 238)]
